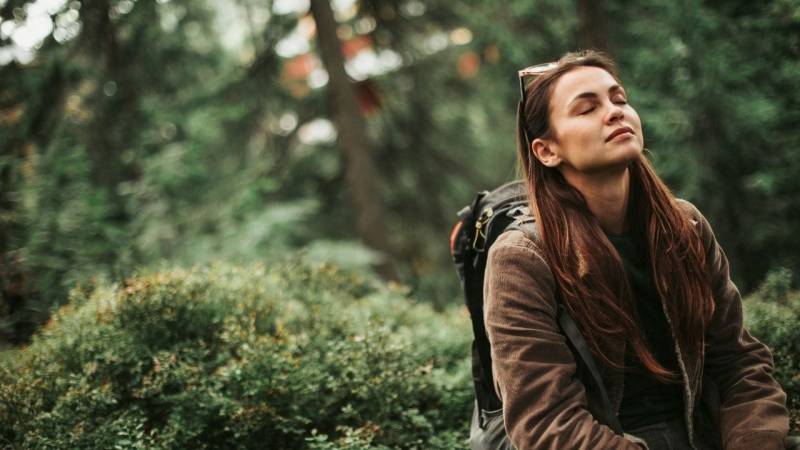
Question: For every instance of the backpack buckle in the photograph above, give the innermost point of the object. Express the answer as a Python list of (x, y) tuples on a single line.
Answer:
[(480, 229)]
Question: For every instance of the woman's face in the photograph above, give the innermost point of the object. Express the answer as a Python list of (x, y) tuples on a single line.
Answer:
[(593, 128)]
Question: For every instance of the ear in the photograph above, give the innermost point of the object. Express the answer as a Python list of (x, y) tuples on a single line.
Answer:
[(543, 150)]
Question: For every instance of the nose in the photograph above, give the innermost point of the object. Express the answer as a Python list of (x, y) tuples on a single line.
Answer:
[(615, 113)]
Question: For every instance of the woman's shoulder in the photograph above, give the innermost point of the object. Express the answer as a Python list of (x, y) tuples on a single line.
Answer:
[(518, 278), (515, 237), (516, 241), (689, 209), (517, 252), (697, 219)]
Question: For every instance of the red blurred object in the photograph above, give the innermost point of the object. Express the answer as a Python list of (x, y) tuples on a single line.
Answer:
[(299, 67), (351, 47), (369, 100), (453, 235), (468, 64)]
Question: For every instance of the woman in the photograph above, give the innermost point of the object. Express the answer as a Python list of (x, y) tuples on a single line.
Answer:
[(639, 271)]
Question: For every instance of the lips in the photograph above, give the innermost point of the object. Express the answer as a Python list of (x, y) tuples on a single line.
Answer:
[(619, 131)]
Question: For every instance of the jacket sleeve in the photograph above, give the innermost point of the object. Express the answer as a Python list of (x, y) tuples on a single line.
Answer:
[(753, 410), (544, 405)]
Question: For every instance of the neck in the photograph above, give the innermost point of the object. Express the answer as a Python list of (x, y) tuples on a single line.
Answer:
[(606, 195)]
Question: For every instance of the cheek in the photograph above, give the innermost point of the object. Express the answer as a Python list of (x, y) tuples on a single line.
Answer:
[(635, 120), (638, 124), (574, 140), (582, 139)]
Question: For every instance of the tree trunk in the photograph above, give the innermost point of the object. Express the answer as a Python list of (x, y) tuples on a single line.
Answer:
[(592, 27), (114, 115), (352, 140), (28, 133)]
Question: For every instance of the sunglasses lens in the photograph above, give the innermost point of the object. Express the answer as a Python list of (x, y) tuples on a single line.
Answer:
[(529, 73), (537, 69), (526, 75)]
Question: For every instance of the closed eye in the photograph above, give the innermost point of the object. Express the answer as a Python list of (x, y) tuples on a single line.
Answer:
[(587, 110)]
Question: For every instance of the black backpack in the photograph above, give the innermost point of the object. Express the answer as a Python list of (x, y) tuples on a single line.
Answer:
[(479, 225)]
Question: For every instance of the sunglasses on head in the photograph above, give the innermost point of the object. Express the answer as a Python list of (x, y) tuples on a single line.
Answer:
[(532, 71)]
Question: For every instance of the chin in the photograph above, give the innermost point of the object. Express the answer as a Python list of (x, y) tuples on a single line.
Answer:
[(628, 155), (614, 163), (633, 155)]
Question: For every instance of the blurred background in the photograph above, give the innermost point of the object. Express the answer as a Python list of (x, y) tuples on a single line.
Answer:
[(141, 133), (224, 223)]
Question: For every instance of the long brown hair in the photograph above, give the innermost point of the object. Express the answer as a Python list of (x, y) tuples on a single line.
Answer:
[(587, 268)]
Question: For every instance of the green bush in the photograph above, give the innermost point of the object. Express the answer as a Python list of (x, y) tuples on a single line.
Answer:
[(286, 357), (772, 314)]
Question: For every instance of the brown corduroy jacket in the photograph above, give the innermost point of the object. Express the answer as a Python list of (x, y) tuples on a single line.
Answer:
[(546, 407)]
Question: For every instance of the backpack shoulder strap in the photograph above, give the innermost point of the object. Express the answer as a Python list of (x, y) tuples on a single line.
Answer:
[(527, 225), (581, 348)]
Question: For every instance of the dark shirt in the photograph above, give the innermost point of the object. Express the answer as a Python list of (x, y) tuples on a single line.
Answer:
[(645, 399)]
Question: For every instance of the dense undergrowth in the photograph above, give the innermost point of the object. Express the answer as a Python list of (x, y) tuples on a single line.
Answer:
[(286, 357)]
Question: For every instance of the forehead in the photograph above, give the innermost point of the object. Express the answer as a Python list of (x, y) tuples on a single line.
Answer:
[(578, 81)]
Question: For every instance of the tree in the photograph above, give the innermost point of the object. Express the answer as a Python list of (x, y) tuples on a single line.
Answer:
[(353, 140), (593, 24)]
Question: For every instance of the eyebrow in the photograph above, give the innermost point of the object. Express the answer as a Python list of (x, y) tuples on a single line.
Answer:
[(612, 90)]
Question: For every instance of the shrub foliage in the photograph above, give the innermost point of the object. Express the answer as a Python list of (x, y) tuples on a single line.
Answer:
[(287, 357), (292, 356), (772, 314)]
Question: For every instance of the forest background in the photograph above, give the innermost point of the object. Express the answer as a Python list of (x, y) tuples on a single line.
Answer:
[(139, 136)]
